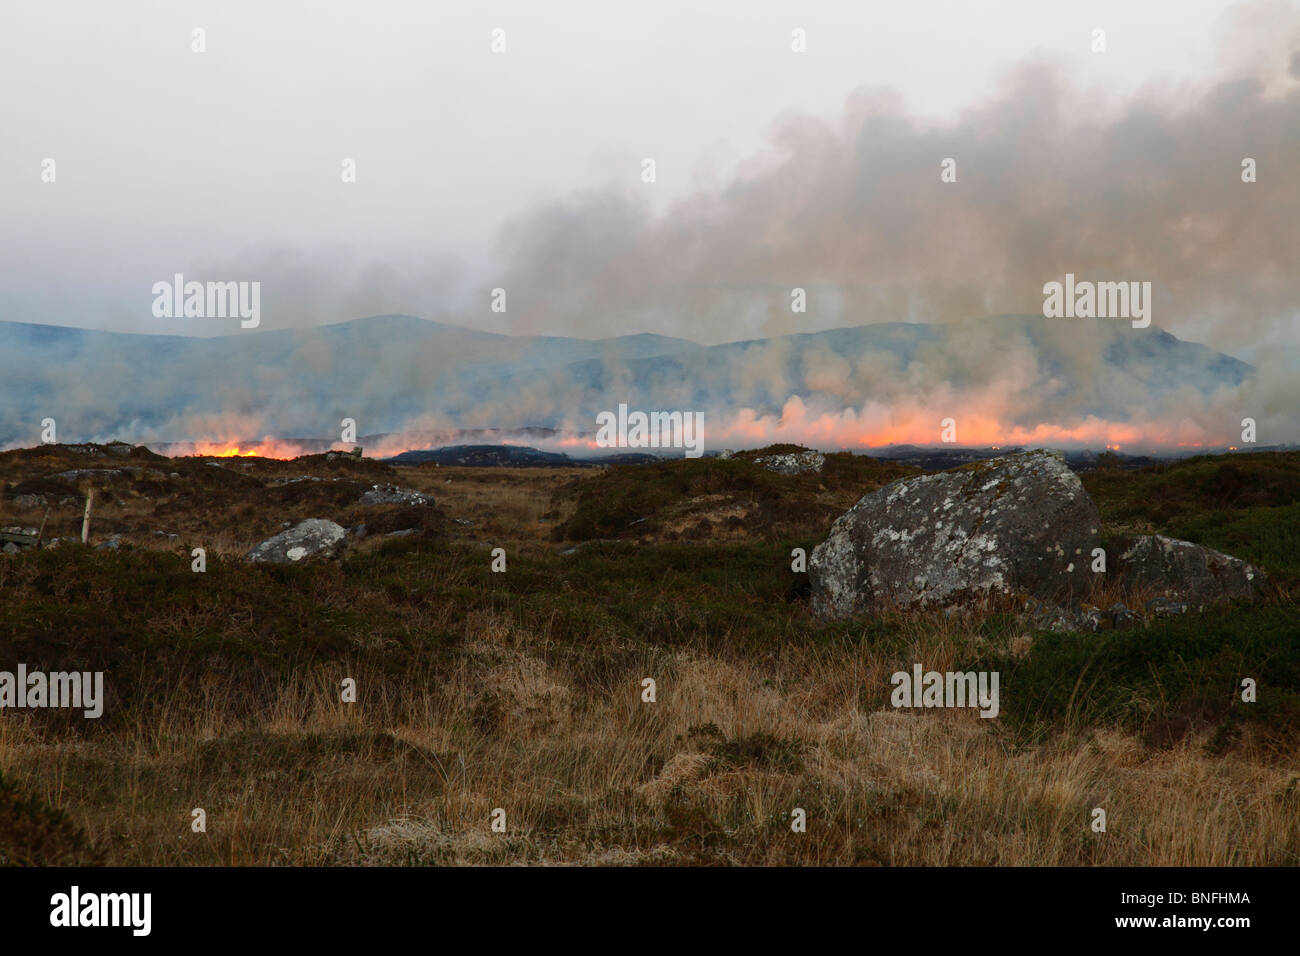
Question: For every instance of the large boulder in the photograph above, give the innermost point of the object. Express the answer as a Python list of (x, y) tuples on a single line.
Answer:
[(1018, 525), (314, 537), (1184, 572)]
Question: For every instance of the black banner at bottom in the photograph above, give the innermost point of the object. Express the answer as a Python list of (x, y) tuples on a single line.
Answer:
[(334, 906)]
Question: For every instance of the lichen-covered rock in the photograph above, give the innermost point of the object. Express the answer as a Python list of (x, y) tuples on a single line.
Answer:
[(394, 495), (1045, 616), (1082, 617), (795, 463), (1018, 525), (1184, 572), (314, 537), (1164, 607)]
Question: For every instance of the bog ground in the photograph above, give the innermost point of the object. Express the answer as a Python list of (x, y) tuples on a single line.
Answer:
[(522, 690)]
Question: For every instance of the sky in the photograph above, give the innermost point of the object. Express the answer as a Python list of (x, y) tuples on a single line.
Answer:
[(523, 169)]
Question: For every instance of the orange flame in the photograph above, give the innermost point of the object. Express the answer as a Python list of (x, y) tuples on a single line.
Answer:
[(979, 424), (266, 448)]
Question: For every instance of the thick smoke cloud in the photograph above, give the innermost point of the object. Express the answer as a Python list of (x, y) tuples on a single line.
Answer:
[(1050, 180)]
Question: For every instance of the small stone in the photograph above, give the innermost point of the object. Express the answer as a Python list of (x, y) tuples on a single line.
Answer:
[(394, 495), (314, 537)]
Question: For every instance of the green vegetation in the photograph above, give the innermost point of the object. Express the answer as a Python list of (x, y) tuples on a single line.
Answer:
[(1158, 494), (1165, 678)]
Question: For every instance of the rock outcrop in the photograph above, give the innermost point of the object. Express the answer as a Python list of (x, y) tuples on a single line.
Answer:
[(314, 537), (1184, 572), (1012, 526), (394, 495), (795, 463)]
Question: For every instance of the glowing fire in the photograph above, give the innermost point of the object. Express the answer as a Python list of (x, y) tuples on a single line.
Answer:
[(979, 424), (872, 429), (266, 448)]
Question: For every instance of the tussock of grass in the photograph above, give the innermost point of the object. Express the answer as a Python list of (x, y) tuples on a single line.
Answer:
[(32, 833)]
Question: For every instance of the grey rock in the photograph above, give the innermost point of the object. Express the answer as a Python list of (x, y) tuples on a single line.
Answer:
[(793, 464), (10, 548), (112, 544), (1046, 616), (1083, 617), (400, 534), (1017, 525), (1064, 620), (394, 495), (29, 501), (314, 537), (1118, 617), (1088, 617), (77, 474), (1164, 607), (1185, 572)]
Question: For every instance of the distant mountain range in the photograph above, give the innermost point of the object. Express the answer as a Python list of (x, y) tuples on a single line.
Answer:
[(396, 372)]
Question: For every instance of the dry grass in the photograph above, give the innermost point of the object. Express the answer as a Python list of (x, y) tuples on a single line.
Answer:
[(709, 773)]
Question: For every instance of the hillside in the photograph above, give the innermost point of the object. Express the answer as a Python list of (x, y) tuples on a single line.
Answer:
[(395, 372)]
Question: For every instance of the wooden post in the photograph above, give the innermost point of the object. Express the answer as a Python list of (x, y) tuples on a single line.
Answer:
[(85, 521), (41, 533)]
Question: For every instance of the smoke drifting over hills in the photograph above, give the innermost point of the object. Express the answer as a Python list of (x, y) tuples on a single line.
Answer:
[(1003, 380), (1051, 178)]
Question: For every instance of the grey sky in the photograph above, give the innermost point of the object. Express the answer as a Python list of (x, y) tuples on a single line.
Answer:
[(473, 167)]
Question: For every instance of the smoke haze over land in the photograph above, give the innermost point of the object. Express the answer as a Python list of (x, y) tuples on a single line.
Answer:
[(1058, 170)]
